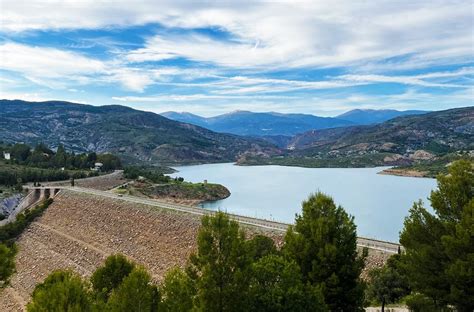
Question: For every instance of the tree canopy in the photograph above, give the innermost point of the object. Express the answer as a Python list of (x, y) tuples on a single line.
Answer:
[(109, 277), (61, 291), (440, 247), (323, 242)]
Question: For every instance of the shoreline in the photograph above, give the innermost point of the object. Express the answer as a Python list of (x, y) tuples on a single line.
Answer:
[(405, 173)]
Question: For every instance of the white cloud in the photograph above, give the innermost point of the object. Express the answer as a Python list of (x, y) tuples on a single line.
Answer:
[(273, 34), (62, 69), (46, 62)]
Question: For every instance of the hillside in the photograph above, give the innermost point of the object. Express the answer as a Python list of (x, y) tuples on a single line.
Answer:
[(260, 124), (133, 135), (374, 116), (409, 140), (436, 132)]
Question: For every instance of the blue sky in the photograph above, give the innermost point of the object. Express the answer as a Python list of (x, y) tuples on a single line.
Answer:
[(318, 57)]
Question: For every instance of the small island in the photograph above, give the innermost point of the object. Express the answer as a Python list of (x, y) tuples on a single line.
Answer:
[(151, 182)]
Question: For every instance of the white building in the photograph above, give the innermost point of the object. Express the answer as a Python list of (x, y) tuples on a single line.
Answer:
[(6, 155), (97, 166)]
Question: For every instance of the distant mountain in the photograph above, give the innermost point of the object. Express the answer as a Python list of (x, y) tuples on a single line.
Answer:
[(436, 132), (260, 124), (131, 134), (374, 116), (187, 118)]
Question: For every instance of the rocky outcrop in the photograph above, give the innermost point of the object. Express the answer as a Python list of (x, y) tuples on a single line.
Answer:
[(422, 155)]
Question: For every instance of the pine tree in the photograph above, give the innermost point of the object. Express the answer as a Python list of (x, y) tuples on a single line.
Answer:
[(177, 292), (388, 284), (276, 285), (440, 248), (61, 291), (7, 263), (220, 268), (323, 243), (135, 294), (108, 277)]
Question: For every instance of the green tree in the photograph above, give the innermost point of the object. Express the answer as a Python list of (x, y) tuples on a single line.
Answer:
[(323, 243), (7, 263), (61, 291), (20, 152), (260, 246), (440, 248), (177, 292), (135, 294), (59, 159), (108, 277), (109, 162), (417, 302), (276, 285), (220, 268), (43, 148), (387, 284)]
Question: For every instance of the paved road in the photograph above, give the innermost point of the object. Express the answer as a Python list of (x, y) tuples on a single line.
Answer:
[(267, 224)]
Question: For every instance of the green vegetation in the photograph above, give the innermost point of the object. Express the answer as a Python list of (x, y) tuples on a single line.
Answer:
[(319, 161), (436, 269), (61, 291), (8, 234), (154, 174), (135, 293), (107, 278), (12, 230), (444, 242), (136, 136), (42, 157), (440, 165), (7, 263), (387, 284), (152, 182), (42, 164), (429, 168), (323, 243)]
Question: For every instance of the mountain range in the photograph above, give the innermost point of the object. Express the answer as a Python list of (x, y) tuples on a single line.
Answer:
[(138, 136), (438, 132), (273, 124), (131, 134), (415, 140)]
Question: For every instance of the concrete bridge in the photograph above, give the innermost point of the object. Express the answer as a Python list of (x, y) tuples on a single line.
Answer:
[(43, 192)]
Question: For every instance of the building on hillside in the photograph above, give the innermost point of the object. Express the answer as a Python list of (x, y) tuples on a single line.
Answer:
[(97, 166), (6, 155)]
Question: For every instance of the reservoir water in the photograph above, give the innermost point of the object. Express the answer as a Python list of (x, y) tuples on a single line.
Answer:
[(378, 202)]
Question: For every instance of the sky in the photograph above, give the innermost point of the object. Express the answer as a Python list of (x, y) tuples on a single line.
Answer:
[(315, 57)]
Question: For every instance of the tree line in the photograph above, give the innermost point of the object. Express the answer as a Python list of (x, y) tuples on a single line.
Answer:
[(155, 175), (41, 164), (41, 156)]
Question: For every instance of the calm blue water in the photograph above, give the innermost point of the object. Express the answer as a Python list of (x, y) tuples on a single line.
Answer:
[(378, 202)]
